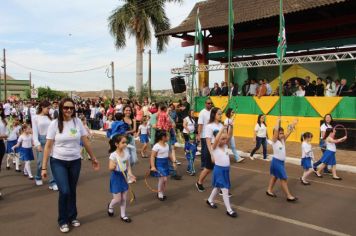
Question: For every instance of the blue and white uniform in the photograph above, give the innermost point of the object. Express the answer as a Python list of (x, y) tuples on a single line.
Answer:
[(328, 157), (118, 183), (12, 136), (162, 160), (143, 129), (277, 168), (307, 156), (26, 153), (190, 152), (221, 171)]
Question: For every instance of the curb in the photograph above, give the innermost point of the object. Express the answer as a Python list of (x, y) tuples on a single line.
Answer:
[(290, 160)]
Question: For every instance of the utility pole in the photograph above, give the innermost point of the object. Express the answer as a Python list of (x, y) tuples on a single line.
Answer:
[(149, 75), (112, 81), (30, 76), (5, 79)]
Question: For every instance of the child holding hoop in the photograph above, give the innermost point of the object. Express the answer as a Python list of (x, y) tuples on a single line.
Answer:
[(159, 162), (277, 168), (328, 157), (120, 168)]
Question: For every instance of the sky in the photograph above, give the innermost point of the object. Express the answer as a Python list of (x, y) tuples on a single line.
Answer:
[(67, 35)]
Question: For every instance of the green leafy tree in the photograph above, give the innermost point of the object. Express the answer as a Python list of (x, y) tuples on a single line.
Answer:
[(47, 93), (138, 18), (131, 92)]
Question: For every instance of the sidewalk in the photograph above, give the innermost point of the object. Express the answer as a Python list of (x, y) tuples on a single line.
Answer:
[(347, 159)]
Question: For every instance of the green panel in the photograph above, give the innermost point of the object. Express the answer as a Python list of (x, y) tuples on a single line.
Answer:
[(240, 75), (346, 109), (347, 70), (200, 103), (244, 105), (294, 106)]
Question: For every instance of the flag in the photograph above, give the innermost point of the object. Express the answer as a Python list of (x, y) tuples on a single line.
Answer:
[(282, 39), (231, 19), (199, 33)]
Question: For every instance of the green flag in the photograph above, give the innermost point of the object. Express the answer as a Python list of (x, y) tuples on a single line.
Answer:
[(282, 40), (199, 33), (231, 19)]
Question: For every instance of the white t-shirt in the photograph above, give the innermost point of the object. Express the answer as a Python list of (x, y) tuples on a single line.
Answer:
[(40, 126), (212, 130), (66, 145), (228, 121), (25, 140), (123, 160), (14, 133), (190, 125), (330, 146), (323, 128), (221, 156), (162, 152), (279, 150), (204, 117), (261, 131), (119, 108), (300, 93), (93, 111), (253, 88), (2, 128), (143, 129), (7, 109), (307, 150)]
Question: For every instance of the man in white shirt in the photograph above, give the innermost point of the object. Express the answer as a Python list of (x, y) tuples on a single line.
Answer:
[(253, 87), (203, 120), (269, 88), (7, 108)]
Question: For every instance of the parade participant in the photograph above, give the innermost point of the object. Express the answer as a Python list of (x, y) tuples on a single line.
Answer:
[(40, 124), (131, 130), (159, 162), (188, 125), (143, 132), (3, 134), (277, 168), (221, 172), (229, 121), (328, 157), (212, 128), (203, 121), (13, 133), (190, 149), (307, 157), (120, 168), (63, 144), (260, 136), (25, 142)]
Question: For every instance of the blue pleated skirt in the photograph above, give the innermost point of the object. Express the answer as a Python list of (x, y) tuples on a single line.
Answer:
[(221, 177), (306, 163), (162, 165), (277, 169), (144, 138), (9, 146), (328, 158), (118, 183), (26, 154)]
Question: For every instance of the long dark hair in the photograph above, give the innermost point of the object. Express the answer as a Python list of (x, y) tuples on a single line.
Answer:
[(258, 120), (305, 136), (132, 114), (328, 131), (331, 122), (42, 105), (60, 113), (116, 139), (228, 112), (213, 112), (2, 114)]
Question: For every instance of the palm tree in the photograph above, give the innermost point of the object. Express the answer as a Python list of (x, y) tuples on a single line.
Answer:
[(137, 18)]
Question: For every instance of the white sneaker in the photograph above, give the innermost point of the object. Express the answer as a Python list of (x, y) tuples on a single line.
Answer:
[(53, 187), (75, 223), (178, 162), (64, 228), (241, 159), (39, 182)]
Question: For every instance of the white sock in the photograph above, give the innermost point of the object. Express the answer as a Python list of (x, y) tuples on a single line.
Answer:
[(226, 199), (123, 204), (17, 163), (8, 160), (116, 199), (160, 185), (213, 194), (28, 168)]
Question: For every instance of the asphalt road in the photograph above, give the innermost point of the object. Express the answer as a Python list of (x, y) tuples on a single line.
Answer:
[(327, 207)]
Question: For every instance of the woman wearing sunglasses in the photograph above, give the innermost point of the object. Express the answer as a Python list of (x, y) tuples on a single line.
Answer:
[(63, 143)]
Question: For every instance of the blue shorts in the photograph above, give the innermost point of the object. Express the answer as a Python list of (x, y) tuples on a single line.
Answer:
[(144, 138), (277, 169)]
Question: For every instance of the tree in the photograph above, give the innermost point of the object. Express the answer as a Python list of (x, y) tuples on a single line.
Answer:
[(137, 18), (47, 93), (131, 92)]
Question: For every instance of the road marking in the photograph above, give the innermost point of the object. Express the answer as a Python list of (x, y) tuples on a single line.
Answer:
[(286, 220)]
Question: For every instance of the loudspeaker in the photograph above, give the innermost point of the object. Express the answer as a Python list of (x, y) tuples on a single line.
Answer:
[(178, 84)]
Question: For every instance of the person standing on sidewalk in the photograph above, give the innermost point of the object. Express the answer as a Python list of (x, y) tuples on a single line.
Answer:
[(63, 144), (40, 124), (260, 137)]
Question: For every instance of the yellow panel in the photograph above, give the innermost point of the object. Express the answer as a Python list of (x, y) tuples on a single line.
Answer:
[(220, 102), (324, 105), (292, 72), (266, 103), (244, 125), (305, 124)]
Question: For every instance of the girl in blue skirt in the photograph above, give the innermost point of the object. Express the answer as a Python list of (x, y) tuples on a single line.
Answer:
[(221, 171), (159, 162), (120, 168), (328, 158), (25, 142), (307, 157), (277, 168), (143, 131)]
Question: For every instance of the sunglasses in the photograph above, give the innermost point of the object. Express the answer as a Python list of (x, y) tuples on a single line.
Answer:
[(68, 108), (208, 103)]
